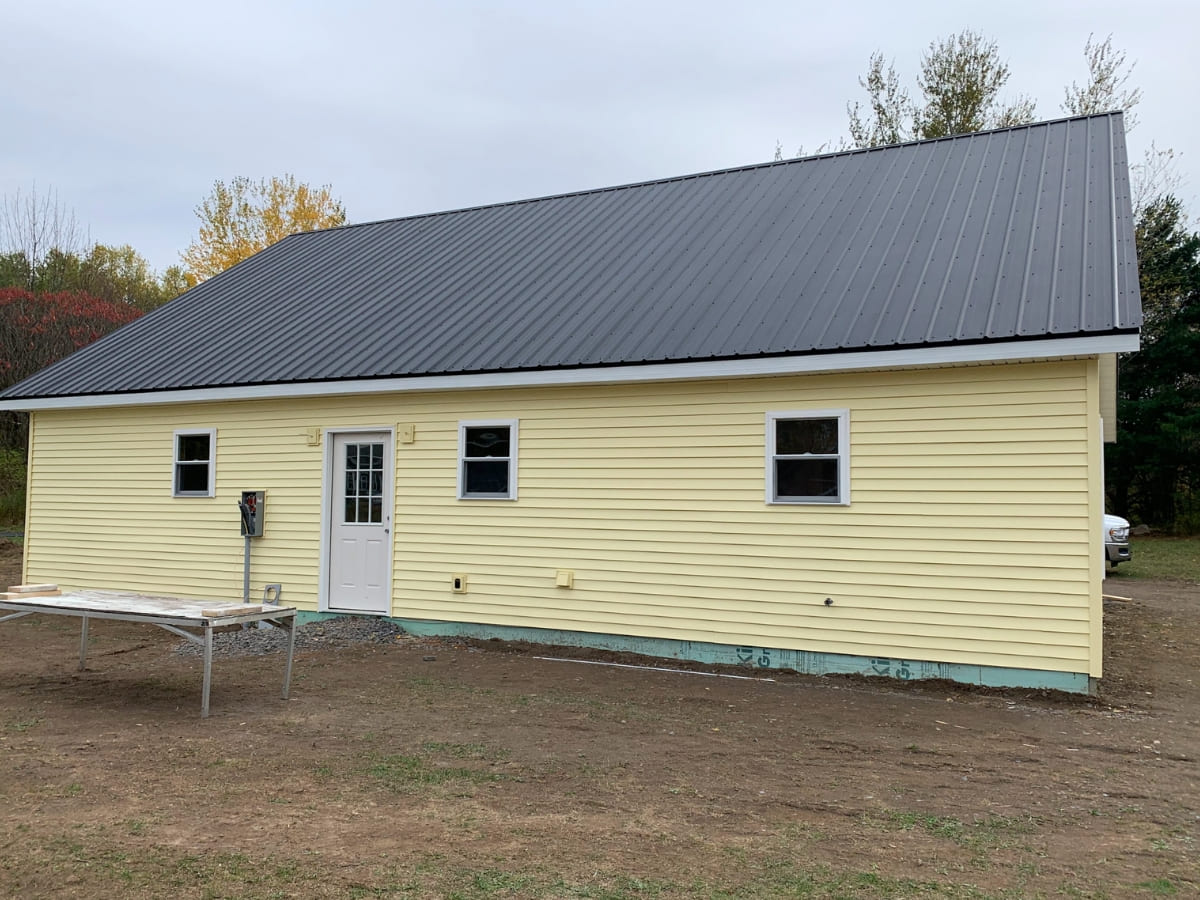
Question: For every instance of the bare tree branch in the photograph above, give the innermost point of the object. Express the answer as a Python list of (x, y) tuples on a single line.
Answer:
[(33, 225)]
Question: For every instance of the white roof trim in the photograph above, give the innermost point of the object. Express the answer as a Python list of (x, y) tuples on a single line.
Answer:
[(954, 354)]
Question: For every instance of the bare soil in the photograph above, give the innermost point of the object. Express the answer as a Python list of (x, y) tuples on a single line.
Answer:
[(427, 768)]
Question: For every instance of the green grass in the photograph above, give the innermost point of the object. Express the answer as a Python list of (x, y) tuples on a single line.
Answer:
[(12, 490), (1159, 887), (1171, 558), (12, 511)]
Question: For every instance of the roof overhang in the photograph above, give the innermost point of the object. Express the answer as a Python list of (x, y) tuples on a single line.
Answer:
[(866, 360)]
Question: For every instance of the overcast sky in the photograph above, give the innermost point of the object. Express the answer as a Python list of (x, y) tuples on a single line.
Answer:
[(129, 110)]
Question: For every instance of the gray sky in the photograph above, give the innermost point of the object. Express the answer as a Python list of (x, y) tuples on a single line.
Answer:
[(130, 109)]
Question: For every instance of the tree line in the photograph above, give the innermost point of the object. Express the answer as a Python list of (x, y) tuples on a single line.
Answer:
[(44, 250)]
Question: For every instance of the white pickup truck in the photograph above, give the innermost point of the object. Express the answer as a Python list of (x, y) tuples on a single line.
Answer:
[(1116, 540)]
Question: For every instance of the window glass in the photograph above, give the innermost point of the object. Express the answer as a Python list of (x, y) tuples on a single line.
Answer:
[(191, 479), (487, 441), (806, 478), (486, 477), (194, 447), (806, 436)]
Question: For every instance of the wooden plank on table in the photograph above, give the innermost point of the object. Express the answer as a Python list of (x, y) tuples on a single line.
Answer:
[(39, 589), (25, 595), (240, 609)]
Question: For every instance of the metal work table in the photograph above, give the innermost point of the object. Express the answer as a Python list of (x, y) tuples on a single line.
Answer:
[(173, 614)]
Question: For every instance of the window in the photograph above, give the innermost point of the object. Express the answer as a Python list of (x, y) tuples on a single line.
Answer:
[(487, 460), (195, 463), (808, 457)]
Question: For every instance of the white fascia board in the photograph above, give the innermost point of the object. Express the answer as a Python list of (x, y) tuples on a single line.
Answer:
[(950, 355)]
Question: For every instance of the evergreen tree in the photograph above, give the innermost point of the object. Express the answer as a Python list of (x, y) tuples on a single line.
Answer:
[(1153, 471)]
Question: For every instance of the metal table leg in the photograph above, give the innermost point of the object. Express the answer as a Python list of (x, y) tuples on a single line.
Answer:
[(208, 647), (83, 635), (287, 672)]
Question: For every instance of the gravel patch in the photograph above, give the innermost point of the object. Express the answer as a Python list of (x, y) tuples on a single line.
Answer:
[(346, 631)]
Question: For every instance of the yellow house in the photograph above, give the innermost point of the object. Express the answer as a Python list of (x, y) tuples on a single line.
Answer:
[(835, 414)]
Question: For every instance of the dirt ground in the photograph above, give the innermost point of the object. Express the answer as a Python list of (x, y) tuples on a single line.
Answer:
[(437, 769)]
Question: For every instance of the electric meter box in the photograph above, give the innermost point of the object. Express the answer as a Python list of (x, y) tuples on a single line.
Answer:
[(253, 506)]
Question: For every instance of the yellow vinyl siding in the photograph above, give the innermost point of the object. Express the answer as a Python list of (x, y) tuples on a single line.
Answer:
[(968, 539)]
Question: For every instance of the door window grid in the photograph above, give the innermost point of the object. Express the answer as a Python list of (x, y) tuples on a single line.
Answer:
[(364, 484)]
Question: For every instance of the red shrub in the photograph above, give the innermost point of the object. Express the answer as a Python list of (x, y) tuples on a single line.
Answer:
[(39, 329)]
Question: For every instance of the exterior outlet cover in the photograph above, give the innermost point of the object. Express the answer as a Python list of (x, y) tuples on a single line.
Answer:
[(313, 436), (408, 434), (458, 584), (565, 578)]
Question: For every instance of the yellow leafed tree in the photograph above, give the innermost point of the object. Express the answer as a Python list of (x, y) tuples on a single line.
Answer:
[(240, 218)]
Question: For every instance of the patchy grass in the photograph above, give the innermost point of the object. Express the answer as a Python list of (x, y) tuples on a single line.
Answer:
[(156, 872), (465, 751), (981, 836), (160, 871), (402, 773), (1172, 558), (19, 726)]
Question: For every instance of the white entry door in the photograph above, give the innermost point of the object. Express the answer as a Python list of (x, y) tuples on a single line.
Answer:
[(360, 522)]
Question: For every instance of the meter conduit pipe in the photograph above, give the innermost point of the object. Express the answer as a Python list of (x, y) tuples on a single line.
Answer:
[(252, 507)]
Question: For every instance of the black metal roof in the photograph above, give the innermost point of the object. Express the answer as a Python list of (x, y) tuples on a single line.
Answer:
[(1019, 233)]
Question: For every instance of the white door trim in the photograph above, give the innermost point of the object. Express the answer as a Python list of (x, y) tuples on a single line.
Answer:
[(327, 461)]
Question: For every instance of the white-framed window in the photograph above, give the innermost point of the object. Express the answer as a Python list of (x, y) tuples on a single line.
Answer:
[(195, 469), (487, 459), (808, 456)]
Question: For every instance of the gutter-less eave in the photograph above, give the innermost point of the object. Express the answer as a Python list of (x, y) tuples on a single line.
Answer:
[(949, 355)]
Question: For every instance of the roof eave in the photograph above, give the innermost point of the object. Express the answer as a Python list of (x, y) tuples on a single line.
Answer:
[(859, 360)]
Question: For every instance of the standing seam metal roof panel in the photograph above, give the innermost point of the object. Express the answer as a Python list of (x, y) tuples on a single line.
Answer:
[(1018, 233)]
